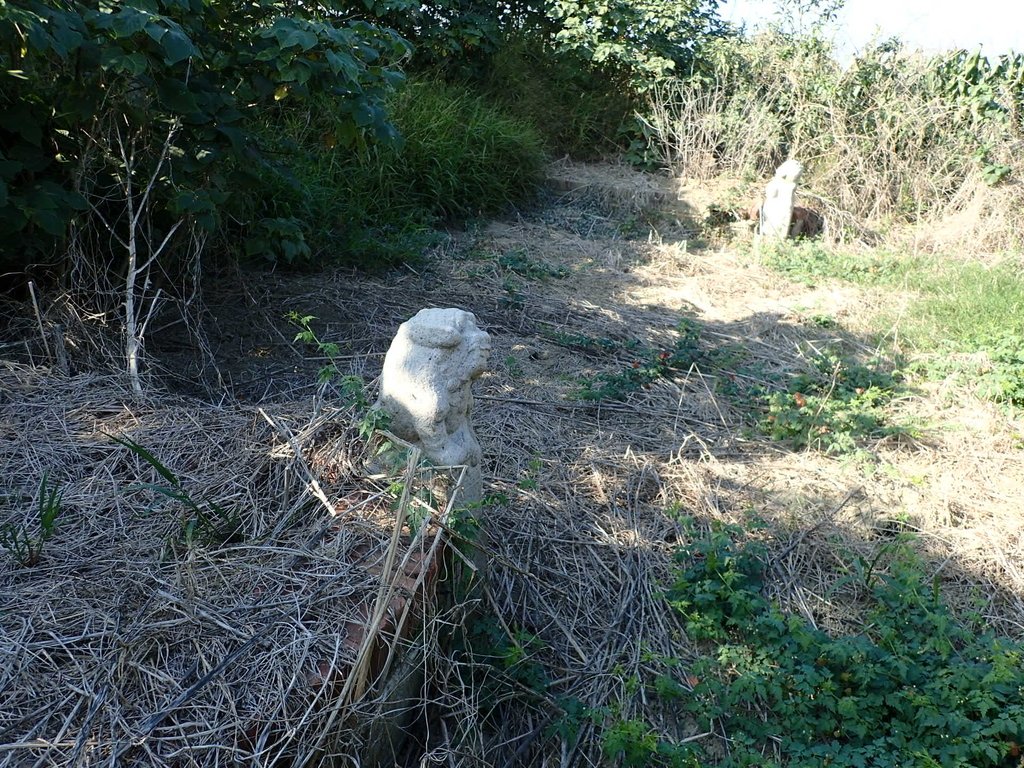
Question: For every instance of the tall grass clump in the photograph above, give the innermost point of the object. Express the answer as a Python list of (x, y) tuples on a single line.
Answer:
[(460, 157), (455, 156), (893, 138), (579, 110)]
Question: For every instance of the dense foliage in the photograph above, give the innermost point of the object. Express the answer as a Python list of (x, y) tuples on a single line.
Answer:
[(180, 103), (646, 39), (93, 92), (375, 204), (914, 686)]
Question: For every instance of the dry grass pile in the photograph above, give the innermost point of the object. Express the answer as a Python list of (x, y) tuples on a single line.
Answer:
[(129, 644), (589, 500), (615, 186), (977, 220)]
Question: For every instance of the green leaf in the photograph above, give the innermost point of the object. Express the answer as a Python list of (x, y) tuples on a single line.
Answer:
[(176, 97), (362, 113), (300, 38), (20, 119), (156, 31), (66, 40), (133, 63), (343, 64), (148, 457), (51, 222), (177, 47), (163, 490), (128, 21)]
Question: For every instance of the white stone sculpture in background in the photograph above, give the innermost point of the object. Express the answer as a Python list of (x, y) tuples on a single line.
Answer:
[(777, 209), (426, 388)]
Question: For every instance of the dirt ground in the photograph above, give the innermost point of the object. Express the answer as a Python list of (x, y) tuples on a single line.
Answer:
[(592, 262), (594, 496), (584, 537)]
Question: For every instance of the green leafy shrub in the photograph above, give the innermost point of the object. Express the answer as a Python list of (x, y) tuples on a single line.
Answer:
[(644, 42), (1003, 379), (455, 157), (130, 76), (833, 406), (914, 687)]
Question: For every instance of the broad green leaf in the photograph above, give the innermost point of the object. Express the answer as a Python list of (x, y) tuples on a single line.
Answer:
[(66, 40), (128, 21), (176, 97), (177, 47), (342, 63), (362, 113), (50, 221), (302, 38)]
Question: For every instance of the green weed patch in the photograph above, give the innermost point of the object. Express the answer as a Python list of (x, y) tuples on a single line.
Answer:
[(914, 687), (831, 408), (520, 263), (958, 308), (24, 547), (648, 364), (810, 261)]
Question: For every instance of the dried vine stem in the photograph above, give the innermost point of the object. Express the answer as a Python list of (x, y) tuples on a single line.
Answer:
[(137, 282)]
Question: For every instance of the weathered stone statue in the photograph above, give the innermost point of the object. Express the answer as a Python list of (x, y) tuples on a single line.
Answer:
[(777, 209), (425, 387)]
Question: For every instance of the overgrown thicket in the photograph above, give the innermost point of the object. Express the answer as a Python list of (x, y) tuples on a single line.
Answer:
[(209, 107), (894, 137), (154, 106), (140, 140)]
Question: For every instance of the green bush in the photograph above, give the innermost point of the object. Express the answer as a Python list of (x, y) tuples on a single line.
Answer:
[(915, 687), (154, 103), (456, 157), (460, 156)]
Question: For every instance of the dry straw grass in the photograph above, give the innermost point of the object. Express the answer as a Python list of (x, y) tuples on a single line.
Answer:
[(126, 646), (599, 497), (881, 145)]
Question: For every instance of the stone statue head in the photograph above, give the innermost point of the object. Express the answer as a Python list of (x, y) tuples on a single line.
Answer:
[(790, 171), (456, 337)]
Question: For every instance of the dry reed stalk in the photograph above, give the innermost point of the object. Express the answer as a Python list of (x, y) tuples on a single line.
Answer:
[(127, 644), (883, 151)]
